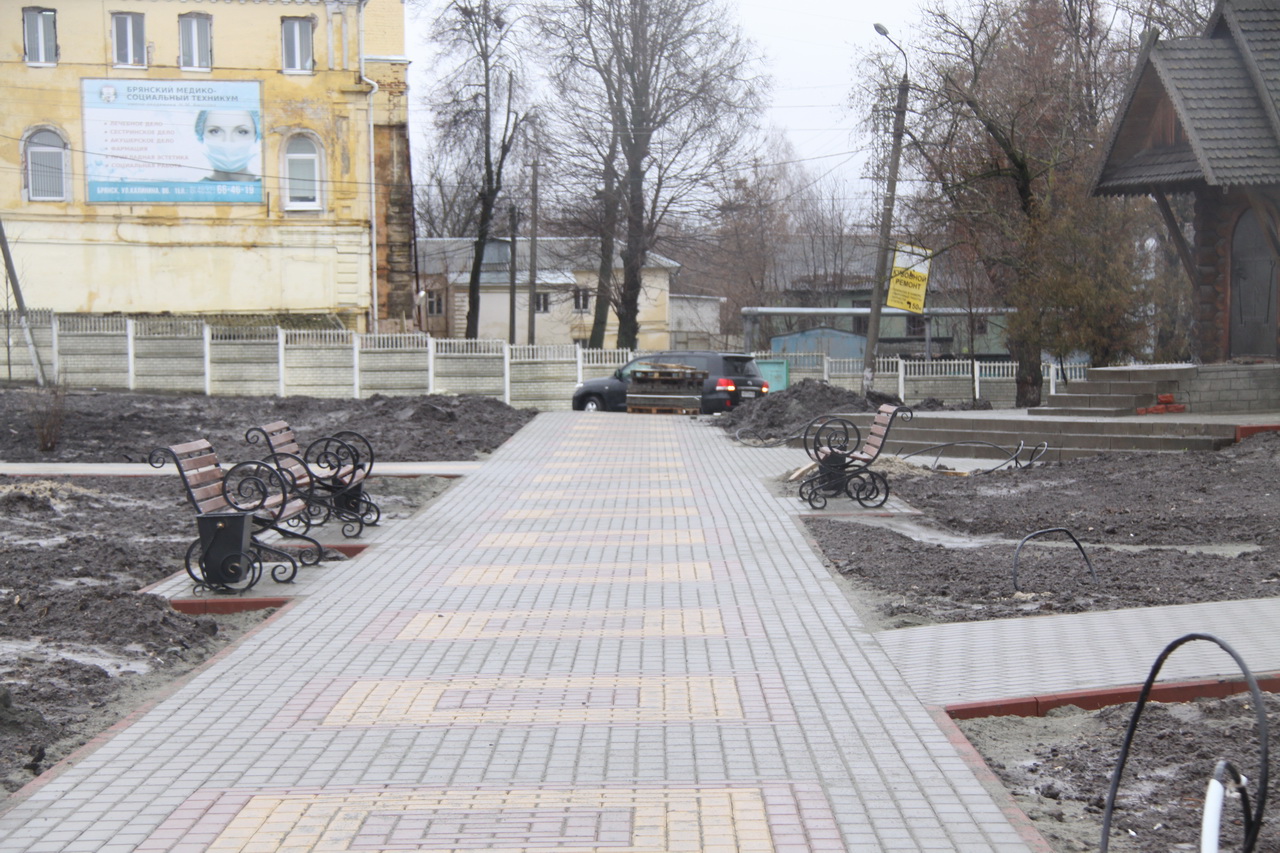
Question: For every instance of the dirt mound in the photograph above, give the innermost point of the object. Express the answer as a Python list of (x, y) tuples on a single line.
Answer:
[(121, 427), (785, 413)]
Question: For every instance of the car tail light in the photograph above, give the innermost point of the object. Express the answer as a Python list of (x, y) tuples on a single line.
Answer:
[(764, 387), (724, 383)]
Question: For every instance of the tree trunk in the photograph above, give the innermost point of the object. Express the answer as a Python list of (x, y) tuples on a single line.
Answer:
[(477, 258), (604, 275), (634, 253), (1030, 378)]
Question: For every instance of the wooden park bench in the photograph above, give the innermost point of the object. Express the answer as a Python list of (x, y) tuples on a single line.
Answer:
[(329, 475), (234, 508), (844, 459)]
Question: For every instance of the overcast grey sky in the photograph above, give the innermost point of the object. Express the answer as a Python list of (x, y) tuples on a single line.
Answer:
[(811, 48)]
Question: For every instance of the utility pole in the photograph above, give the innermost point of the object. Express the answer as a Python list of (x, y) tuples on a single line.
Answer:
[(533, 252), (511, 322), (886, 223), (12, 272)]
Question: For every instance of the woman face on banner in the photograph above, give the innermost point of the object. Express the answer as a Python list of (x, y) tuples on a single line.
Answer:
[(230, 140)]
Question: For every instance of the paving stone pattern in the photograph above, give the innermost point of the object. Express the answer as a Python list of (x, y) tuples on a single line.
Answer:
[(610, 637)]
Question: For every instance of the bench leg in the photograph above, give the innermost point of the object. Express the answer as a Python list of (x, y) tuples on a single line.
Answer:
[(308, 555), (868, 488), (287, 568)]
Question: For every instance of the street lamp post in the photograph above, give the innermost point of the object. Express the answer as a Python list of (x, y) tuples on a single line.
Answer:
[(886, 222)]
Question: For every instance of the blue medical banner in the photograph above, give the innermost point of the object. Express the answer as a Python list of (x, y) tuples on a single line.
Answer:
[(173, 141)]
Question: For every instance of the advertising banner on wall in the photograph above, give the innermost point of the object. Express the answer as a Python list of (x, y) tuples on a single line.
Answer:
[(173, 141), (909, 280)]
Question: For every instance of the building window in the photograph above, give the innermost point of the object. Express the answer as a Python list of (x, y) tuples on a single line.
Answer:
[(915, 326), (581, 300), (541, 303), (130, 42), (295, 38), (979, 325), (301, 174), (40, 33), (46, 166), (195, 40), (434, 302)]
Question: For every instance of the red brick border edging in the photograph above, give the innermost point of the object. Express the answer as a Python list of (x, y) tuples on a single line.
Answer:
[(1091, 700)]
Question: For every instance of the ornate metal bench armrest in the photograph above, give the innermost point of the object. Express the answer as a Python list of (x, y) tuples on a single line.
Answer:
[(335, 461), (364, 450), (257, 487), (298, 477), (828, 436)]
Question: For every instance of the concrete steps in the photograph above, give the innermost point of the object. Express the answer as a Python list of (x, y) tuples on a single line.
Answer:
[(1112, 392), (1067, 437)]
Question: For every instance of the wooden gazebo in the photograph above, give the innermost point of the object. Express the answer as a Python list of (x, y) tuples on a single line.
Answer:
[(1200, 118)]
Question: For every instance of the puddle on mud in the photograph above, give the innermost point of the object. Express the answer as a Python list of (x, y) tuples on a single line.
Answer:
[(113, 665)]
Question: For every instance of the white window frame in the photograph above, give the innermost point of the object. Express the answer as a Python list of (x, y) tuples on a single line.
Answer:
[(43, 24), (542, 303), (195, 41), (316, 158), (37, 153), (434, 303), (297, 37), (129, 45), (582, 300)]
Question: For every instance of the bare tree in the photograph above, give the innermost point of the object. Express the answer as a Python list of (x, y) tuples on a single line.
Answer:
[(1009, 99), (676, 87), (447, 194), (479, 99)]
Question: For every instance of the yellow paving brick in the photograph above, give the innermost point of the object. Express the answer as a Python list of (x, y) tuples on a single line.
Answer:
[(629, 622), (611, 493), (548, 540), (486, 701), (599, 461), (648, 512), (663, 820)]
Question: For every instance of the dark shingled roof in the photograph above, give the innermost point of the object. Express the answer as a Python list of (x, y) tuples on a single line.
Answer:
[(1224, 88)]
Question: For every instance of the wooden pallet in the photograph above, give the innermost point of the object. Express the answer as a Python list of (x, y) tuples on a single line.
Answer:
[(662, 410)]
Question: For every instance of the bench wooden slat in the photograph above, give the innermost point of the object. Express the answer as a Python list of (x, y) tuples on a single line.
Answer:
[(188, 447)]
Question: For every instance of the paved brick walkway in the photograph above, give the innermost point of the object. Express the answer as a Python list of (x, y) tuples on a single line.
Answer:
[(609, 637)]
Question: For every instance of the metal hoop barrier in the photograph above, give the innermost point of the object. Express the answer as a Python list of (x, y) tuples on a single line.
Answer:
[(1029, 536), (1252, 820), (1039, 450)]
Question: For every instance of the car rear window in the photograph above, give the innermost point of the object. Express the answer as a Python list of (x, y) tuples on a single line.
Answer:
[(741, 366)]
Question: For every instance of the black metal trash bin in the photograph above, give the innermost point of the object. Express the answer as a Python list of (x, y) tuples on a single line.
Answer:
[(350, 499), (225, 539)]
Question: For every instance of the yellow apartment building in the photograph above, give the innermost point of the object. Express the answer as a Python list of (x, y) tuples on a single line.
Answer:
[(207, 156)]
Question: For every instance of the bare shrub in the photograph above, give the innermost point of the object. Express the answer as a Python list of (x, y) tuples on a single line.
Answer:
[(45, 410)]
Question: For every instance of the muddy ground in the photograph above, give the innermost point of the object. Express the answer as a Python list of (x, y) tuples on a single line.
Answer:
[(80, 646), (1159, 529)]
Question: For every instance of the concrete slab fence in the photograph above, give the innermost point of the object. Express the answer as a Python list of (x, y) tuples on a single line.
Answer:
[(193, 357)]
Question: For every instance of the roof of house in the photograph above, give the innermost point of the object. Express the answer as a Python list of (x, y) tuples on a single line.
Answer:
[(558, 258), (1223, 88)]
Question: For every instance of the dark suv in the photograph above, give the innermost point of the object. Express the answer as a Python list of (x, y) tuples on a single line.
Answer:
[(731, 379)]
